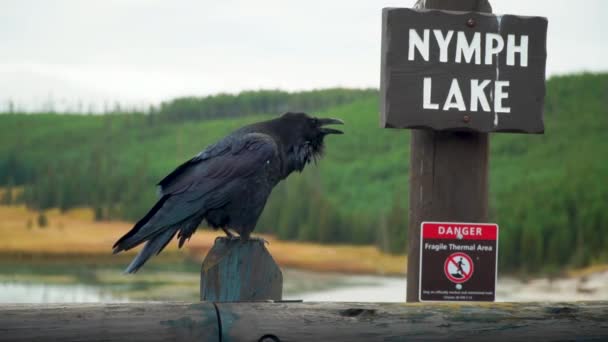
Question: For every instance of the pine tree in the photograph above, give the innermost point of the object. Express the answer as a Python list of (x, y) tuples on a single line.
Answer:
[(42, 220), (7, 196)]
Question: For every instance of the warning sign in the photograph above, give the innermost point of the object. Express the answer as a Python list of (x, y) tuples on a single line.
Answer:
[(458, 267), (458, 261)]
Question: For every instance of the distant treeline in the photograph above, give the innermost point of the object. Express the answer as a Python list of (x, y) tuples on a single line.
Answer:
[(221, 105), (258, 102), (548, 192)]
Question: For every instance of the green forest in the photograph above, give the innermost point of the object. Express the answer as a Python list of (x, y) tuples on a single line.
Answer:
[(548, 193)]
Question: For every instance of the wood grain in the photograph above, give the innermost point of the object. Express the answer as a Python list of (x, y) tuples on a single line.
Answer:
[(285, 322), (413, 322), (238, 270), (109, 322)]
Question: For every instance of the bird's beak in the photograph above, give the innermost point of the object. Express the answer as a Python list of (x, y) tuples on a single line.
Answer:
[(330, 121)]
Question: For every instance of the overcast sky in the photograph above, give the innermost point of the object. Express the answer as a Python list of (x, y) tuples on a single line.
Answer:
[(146, 51)]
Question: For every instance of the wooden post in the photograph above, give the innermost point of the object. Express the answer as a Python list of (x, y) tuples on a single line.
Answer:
[(238, 270), (448, 171)]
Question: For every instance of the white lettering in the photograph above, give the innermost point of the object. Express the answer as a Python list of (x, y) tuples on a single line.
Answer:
[(484, 248), (420, 44), (479, 99), (454, 99), (459, 230), (478, 95), (426, 96), (443, 43), (466, 50), (491, 48), (499, 95), (512, 49), (469, 51)]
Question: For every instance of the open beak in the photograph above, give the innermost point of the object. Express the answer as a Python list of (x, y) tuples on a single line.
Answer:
[(329, 121)]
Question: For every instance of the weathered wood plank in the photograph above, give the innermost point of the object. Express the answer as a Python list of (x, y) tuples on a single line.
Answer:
[(250, 321), (237, 270), (413, 322), (109, 322)]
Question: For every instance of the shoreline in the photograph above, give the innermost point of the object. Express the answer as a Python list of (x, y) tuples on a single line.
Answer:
[(110, 283), (177, 258), (76, 238)]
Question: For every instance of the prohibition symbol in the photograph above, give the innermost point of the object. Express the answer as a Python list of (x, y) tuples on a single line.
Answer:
[(458, 267)]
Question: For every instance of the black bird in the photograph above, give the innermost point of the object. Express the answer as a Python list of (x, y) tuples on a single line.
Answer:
[(228, 183)]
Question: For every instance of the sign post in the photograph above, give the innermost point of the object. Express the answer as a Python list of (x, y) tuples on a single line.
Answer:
[(454, 77)]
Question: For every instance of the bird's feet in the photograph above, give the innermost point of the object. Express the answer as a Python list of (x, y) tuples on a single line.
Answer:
[(243, 237), (228, 238), (232, 238)]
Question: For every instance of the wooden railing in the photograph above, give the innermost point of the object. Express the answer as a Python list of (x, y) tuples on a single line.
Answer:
[(271, 322)]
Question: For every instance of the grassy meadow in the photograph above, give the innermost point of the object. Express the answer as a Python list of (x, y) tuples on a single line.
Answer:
[(76, 237), (548, 193)]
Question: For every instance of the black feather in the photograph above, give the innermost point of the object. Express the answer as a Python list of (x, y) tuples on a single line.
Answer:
[(118, 246), (228, 183), (152, 247), (187, 229)]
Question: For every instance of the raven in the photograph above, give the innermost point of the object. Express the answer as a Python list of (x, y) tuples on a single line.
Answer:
[(228, 183)]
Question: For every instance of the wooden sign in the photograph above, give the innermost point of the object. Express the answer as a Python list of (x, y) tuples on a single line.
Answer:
[(458, 261), (448, 70)]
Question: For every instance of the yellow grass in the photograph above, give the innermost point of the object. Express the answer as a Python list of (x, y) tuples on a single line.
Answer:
[(76, 234), (587, 271)]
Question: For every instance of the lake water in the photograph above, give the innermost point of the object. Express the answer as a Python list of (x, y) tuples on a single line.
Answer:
[(109, 285), (54, 293)]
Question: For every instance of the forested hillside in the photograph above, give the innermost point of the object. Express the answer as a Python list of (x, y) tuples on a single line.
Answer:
[(549, 193), (256, 102)]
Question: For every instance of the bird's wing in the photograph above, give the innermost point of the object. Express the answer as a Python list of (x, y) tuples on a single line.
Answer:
[(227, 160), (201, 185), (178, 178)]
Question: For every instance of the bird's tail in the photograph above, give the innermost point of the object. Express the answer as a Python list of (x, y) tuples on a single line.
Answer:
[(157, 228), (144, 229), (154, 246), (157, 243)]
